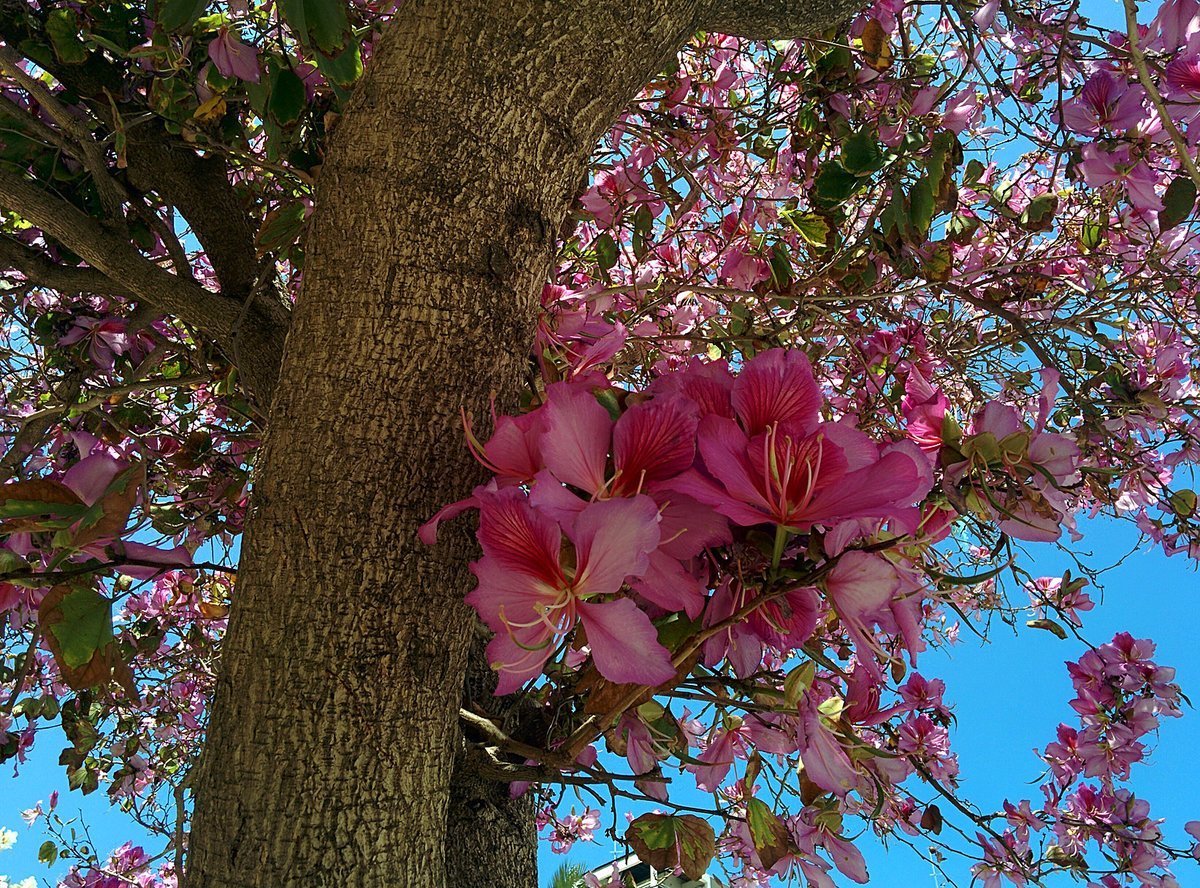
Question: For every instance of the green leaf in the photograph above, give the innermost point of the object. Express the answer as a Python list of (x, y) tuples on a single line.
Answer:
[(1039, 215), (781, 266), (861, 154), (1091, 235), (322, 23), (606, 251), (944, 155), (920, 206), (798, 681), (86, 626), (667, 841), (768, 832), (48, 853), (643, 227), (1178, 201), (345, 68), (1183, 503), (1048, 625), (287, 98), (834, 184), (176, 15), (939, 265), (280, 228), (607, 399), (810, 226), (63, 31)]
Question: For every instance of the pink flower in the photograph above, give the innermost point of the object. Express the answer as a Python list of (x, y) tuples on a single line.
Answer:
[(1100, 168), (1182, 79), (962, 110), (779, 464), (1176, 25), (1104, 103), (107, 339), (743, 270), (530, 597), (924, 410), (232, 57)]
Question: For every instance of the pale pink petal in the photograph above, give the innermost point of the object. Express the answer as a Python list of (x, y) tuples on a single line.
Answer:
[(861, 584), (152, 561), (847, 858), (688, 526), (1037, 523), (667, 584), (90, 477), (613, 540), (551, 498), (825, 761)]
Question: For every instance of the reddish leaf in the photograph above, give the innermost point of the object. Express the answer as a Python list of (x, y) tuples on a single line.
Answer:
[(77, 629), (27, 505), (667, 841), (116, 504)]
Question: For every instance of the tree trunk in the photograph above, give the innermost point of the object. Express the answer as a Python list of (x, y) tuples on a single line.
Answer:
[(334, 730)]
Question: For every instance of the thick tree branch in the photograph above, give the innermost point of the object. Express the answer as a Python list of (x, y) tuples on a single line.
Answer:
[(42, 272), (87, 148), (776, 19), (250, 333), (199, 188)]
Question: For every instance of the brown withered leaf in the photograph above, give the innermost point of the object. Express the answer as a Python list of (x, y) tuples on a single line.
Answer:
[(115, 506), (35, 490), (876, 48), (105, 663), (666, 841)]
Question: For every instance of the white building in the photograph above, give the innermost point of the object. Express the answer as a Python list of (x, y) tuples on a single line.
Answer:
[(643, 875)]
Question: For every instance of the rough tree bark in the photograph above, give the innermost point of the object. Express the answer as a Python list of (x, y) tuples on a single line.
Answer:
[(334, 730)]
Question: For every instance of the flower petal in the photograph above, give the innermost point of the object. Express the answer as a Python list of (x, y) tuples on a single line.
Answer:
[(777, 386), (613, 540), (575, 442), (625, 644)]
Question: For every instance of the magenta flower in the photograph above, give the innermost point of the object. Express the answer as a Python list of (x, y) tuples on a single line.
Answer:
[(1182, 79), (107, 339), (1104, 103), (651, 442), (779, 464), (1176, 24), (234, 58), (1100, 168), (530, 595), (924, 410), (772, 478)]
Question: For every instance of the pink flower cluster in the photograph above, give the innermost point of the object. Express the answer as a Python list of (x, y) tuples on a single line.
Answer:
[(605, 500), (1121, 697)]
